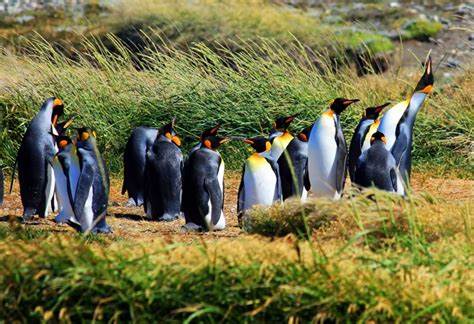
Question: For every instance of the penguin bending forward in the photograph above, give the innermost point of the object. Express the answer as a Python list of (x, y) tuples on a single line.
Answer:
[(164, 164), (376, 166), (134, 159), (66, 172), (35, 156), (293, 166), (327, 152), (92, 192), (203, 186), (280, 137), (369, 118), (260, 183)]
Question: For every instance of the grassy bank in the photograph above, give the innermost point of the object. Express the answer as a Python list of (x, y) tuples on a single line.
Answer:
[(200, 89), (353, 269)]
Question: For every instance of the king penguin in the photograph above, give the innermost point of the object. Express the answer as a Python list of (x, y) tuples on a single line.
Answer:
[(207, 133), (163, 174), (376, 166), (66, 172), (2, 183), (203, 186), (293, 165), (402, 147), (134, 159), (327, 152), (280, 137), (35, 158), (92, 192), (370, 116), (260, 183)]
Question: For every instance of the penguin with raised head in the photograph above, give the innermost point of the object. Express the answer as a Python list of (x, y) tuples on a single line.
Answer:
[(376, 166), (134, 159), (66, 172), (203, 186), (163, 174), (34, 161), (260, 183), (207, 133), (327, 152), (369, 118), (402, 147), (92, 191), (280, 137), (293, 165)]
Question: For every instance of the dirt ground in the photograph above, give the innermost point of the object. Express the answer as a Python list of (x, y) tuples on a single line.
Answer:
[(130, 223)]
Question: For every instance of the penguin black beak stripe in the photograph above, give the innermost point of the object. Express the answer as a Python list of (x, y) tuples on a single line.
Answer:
[(350, 101), (379, 109)]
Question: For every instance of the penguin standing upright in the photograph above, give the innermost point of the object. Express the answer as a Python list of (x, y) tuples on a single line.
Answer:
[(376, 166), (207, 133), (66, 172), (280, 137), (355, 149), (402, 147), (134, 159), (92, 191), (260, 183), (34, 160), (327, 152), (203, 186), (2, 183), (293, 165), (164, 164)]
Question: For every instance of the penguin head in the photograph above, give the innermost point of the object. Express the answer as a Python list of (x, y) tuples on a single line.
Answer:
[(304, 134), (378, 136), (169, 132), (340, 104), (425, 85), (259, 143), (63, 141), (85, 135), (210, 132), (282, 123), (374, 112), (58, 109), (213, 142)]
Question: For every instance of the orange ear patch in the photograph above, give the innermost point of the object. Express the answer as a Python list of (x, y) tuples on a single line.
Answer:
[(208, 144), (176, 140), (427, 89), (303, 137), (85, 136), (57, 102), (62, 143), (268, 146)]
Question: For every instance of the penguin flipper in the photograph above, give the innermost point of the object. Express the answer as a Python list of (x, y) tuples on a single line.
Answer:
[(276, 170), (84, 185), (341, 160), (215, 195), (306, 182), (393, 179), (241, 196), (399, 149)]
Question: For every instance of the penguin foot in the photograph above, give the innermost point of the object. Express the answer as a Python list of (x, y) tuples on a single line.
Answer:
[(191, 227), (132, 203), (168, 218), (102, 230)]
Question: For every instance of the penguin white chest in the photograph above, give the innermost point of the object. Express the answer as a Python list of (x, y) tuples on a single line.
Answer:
[(259, 182), (322, 149), (208, 218), (279, 145), (389, 122)]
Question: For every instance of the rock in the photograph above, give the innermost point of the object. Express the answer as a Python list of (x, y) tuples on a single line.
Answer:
[(452, 63), (471, 37)]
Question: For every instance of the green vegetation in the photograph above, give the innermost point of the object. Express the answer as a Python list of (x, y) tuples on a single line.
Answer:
[(244, 91), (421, 29), (389, 260)]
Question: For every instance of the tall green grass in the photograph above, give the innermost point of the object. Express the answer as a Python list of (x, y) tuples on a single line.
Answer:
[(200, 88)]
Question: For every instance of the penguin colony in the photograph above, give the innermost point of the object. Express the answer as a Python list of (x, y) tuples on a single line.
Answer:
[(67, 175)]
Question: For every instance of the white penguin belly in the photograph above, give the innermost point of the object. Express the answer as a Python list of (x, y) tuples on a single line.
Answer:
[(260, 183), (50, 187), (88, 213), (322, 150), (279, 145), (66, 211), (208, 218), (389, 122)]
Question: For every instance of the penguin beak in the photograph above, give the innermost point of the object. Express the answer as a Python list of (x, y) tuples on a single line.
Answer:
[(248, 141), (379, 109), (213, 131), (348, 102), (224, 140), (425, 85)]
